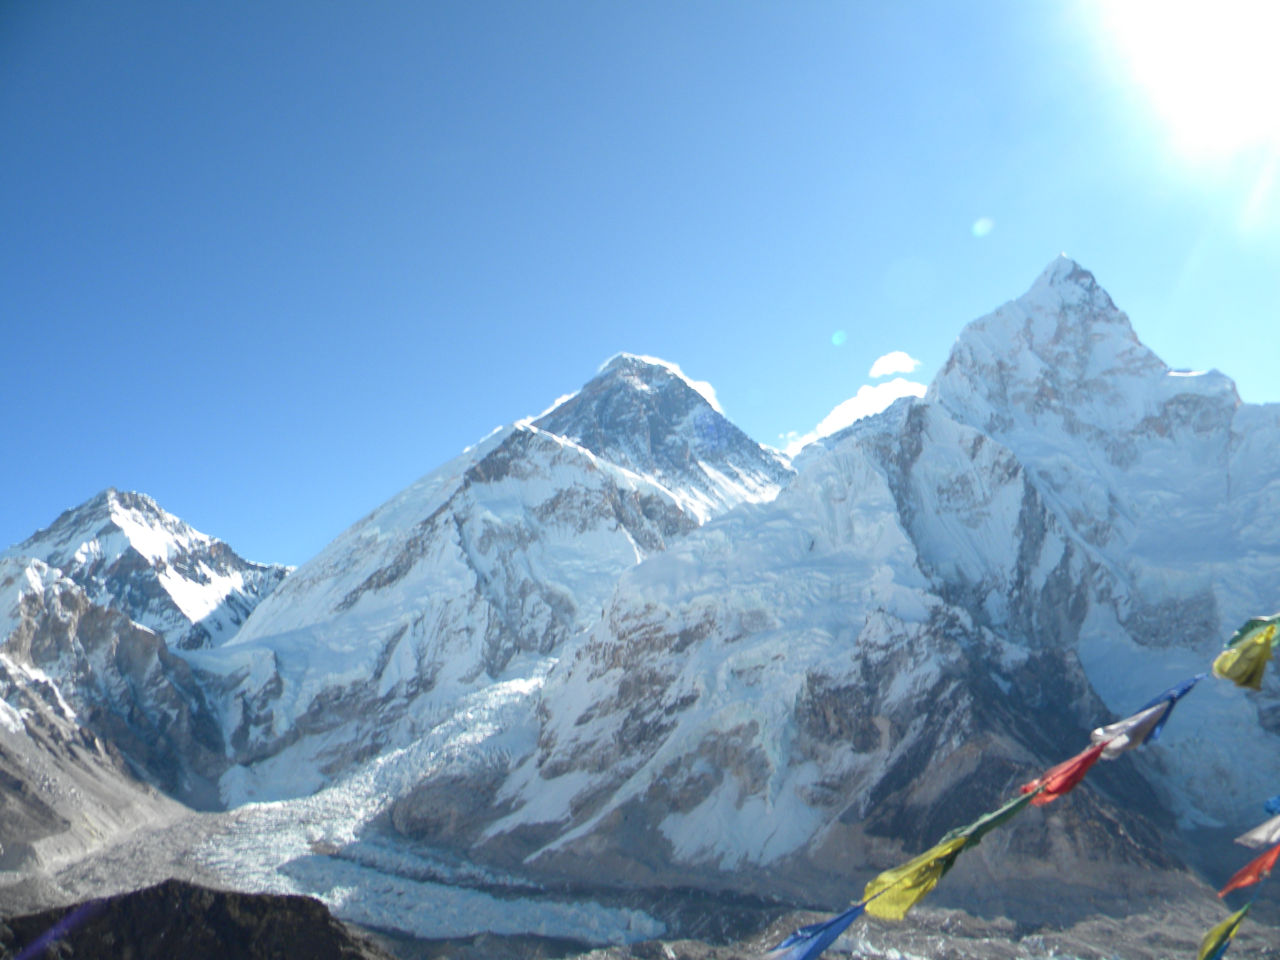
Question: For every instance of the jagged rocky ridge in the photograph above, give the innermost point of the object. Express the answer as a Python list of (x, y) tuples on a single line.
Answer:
[(479, 571), (787, 700), (623, 645), (92, 609), (128, 554)]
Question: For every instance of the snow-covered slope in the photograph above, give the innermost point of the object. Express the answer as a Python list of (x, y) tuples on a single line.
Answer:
[(1118, 441), (480, 571), (128, 554), (1151, 465)]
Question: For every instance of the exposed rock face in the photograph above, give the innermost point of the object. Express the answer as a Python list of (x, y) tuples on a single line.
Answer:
[(108, 679), (93, 705), (939, 606), (449, 811), (180, 921), (64, 789), (129, 555), (1166, 482), (482, 565)]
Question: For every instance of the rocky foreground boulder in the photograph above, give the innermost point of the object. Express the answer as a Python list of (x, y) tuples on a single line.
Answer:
[(175, 920)]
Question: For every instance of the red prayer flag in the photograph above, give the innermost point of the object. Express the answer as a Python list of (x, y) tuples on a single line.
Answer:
[(1060, 779), (1253, 871)]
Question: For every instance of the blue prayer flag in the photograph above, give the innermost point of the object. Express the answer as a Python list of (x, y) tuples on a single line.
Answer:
[(808, 942), (1173, 695)]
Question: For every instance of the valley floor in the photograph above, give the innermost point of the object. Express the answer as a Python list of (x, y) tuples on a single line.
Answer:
[(518, 924)]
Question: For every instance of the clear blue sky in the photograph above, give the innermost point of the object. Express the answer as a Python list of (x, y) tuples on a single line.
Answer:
[(269, 262)]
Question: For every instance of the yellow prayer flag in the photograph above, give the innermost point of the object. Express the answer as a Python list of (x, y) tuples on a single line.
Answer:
[(1245, 659), (903, 887), (1215, 942)]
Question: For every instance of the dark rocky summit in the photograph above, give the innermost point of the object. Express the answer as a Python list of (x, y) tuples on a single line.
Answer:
[(181, 921)]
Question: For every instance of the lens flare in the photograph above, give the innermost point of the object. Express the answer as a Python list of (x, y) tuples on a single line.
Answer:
[(982, 226), (1209, 71)]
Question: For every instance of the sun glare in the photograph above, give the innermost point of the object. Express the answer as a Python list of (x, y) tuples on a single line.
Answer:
[(1210, 69)]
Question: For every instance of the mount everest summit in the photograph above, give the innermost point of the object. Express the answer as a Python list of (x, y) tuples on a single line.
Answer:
[(624, 646)]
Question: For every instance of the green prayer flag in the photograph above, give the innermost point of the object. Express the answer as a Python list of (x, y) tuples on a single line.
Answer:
[(975, 831)]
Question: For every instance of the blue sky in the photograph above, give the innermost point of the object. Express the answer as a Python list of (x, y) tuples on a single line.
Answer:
[(270, 262)]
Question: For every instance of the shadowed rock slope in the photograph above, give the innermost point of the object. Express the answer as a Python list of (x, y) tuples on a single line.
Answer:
[(181, 921)]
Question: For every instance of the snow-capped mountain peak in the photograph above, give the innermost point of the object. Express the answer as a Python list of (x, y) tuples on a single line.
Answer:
[(628, 391), (1060, 369), (129, 554), (1166, 473), (539, 662), (640, 365), (1062, 353), (646, 415), (1069, 281)]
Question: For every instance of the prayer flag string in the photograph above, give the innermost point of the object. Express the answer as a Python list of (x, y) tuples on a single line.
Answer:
[(895, 891)]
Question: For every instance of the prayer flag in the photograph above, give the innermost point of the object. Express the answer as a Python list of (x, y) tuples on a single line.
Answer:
[(975, 831), (1130, 732), (1263, 835), (1216, 941), (898, 890), (1060, 779), (1172, 696), (1252, 872), (1145, 725), (1244, 660), (808, 942)]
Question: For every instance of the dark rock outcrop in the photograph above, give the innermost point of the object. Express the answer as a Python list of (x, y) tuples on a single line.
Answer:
[(182, 921)]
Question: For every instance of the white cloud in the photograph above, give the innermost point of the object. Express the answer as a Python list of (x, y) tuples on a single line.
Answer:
[(899, 361), (870, 399), (705, 388)]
